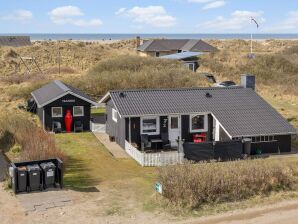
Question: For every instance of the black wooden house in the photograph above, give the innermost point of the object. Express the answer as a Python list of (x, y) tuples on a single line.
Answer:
[(55, 99), (195, 115)]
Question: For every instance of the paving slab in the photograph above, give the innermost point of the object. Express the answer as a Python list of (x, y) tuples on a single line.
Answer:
[(113, 147), (44, 200)]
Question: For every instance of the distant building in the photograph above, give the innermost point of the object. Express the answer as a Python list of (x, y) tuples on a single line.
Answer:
[(161, 47), (15, 41), (190, 59)]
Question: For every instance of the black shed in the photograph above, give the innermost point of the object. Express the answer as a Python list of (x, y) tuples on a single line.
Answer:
[(55, 99)]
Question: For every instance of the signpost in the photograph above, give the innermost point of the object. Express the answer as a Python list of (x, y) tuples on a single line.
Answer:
[(158, 187)]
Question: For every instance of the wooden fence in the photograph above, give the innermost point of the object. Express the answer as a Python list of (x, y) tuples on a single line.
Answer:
[(154, 159)]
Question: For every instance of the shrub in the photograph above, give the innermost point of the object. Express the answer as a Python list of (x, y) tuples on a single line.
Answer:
[(192, 185), (125, 72), (34, 142), (24, 91)]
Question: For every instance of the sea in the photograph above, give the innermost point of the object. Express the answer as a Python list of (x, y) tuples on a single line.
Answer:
[(107, 36)]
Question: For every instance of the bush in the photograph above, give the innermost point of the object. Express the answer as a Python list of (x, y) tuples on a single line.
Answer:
[(192, 185), (126, 72), (35, 143)]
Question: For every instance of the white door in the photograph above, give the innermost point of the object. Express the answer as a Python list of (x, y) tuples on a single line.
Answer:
[(174, 129)]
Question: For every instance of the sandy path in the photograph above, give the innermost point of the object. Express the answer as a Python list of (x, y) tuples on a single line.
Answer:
[(93, 207)]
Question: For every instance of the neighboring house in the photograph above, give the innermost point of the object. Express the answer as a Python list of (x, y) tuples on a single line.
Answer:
[(161, 47), (15, 41), (136, 117), (55, 99), (190, 59)]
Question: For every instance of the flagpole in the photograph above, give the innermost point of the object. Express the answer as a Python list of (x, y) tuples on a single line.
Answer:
[(251, 39), (251, 43)]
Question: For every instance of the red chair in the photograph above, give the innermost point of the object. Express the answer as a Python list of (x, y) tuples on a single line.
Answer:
[(197, 138)]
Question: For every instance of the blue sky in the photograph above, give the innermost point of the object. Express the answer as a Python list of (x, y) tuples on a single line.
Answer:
[(148, 16)]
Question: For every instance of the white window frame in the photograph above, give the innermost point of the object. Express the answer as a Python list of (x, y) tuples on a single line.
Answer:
[(61, 115), (263, 138), (205, 129), (77, 115), (114, 115), (157, 132)]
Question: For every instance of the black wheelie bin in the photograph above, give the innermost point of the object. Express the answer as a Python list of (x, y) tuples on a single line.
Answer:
[(22, 179), (49, 172), (34, 177)]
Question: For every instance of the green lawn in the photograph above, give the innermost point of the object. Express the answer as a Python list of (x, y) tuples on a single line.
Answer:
[(98, 111), (89, 164)]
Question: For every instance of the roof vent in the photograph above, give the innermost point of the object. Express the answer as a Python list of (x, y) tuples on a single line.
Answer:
[(208, 95), (122, 94)]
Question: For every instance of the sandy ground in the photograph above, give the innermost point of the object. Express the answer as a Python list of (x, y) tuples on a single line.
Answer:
[(93, 208)]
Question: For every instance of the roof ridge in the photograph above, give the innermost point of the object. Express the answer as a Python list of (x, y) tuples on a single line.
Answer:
[(61, 85), (176, 89)]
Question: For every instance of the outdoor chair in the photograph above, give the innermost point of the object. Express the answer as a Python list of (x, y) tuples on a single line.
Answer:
[(165, 141), (78, 126), (56, 127), (145, 143)]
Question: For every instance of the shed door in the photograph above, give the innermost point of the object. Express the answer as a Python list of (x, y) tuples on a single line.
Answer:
[(174, 129)]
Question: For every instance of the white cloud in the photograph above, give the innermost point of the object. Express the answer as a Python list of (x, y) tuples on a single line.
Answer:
[(72, 15), (20, 15), (209, 4), (155, 16), (237, 21), (200, 1), (213, 5), (120, 11), (289, 23)]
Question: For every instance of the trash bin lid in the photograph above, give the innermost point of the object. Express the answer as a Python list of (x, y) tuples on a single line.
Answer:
[(22, 168), (246, 140), (47, 165), (33, 167)]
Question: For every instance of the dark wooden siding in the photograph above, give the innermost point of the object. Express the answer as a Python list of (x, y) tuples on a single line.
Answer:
[(115, 129), (111, 125), (62, 102), (223, 135), (135, 130), (210, 128), (282, 144), (185, 128)]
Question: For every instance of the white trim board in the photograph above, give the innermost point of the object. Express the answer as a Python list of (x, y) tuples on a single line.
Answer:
[(60, 96)]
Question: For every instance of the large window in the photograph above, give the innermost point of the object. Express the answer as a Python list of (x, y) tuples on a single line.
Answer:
[(56, 111), (150, 125), (114, 115), (78, 111), (198, 123)]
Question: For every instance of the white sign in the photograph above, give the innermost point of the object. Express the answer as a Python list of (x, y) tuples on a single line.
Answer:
[(50, 173), (69, 101), (158, 187)]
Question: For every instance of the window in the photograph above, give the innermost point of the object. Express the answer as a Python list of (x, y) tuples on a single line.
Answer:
[(114, 115), (56, 111), (78, 111), (258, 139), (198, 123), (191, 67), (174, 122), (150, 125), (157, 54)]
